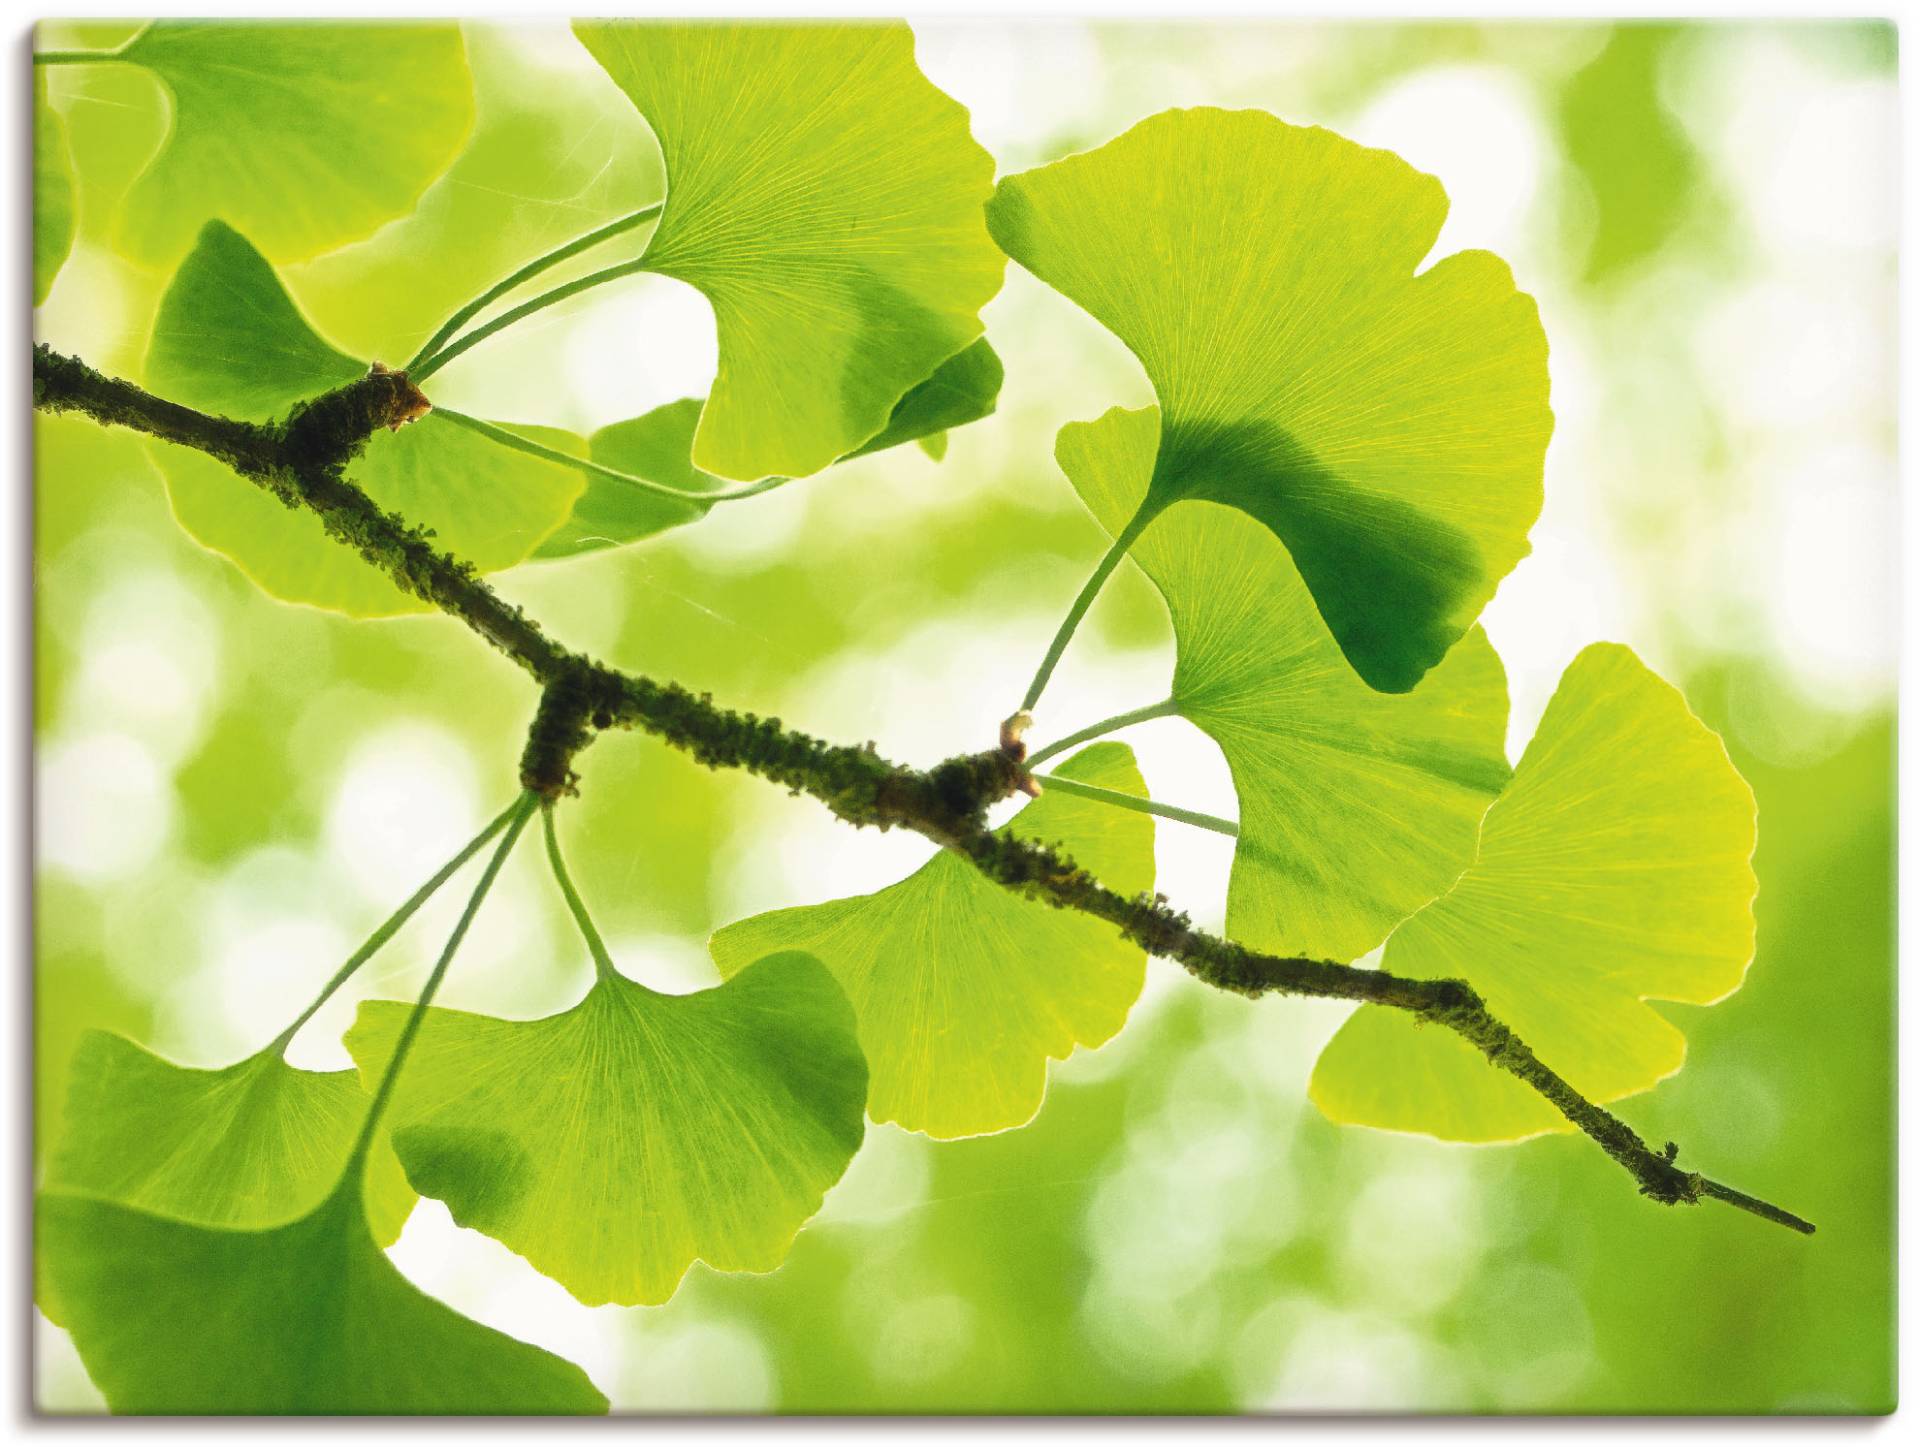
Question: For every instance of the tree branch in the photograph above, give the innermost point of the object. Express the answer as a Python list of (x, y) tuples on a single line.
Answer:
[(303, 461)]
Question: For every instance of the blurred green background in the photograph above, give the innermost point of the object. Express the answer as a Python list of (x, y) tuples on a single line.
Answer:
[(234, 791)]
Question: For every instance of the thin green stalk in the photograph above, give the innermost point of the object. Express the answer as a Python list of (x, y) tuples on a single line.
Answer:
[(77, 57), (393, 925), (422, 370), (597, 947), (1166, 708), (517, 818), (525, 274), (1141, 806), (586, 464), (1085, 601)]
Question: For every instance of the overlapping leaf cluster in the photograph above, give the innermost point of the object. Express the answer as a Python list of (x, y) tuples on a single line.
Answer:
[(1344, 462)]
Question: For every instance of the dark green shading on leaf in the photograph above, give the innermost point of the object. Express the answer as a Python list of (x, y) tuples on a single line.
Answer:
[(229, 339), (256, 1143), (1388, 427), (304, 1318), (1616, 868), (830, 210), (1356, 807), (658, 446), (616, 1143), (52, 191), (963, 990), (304, 135)]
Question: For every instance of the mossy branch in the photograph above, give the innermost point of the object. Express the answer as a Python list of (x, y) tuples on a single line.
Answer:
[(303, 462)]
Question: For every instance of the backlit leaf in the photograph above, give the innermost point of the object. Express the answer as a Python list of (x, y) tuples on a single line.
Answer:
[(305, 136), (256, 1143), (308, 1317), (826, 199), (1388, 427), (1356, 807), (52, 191), (1617, 868), (964, 990), (659, 447), (619, 1141), (229, 339)]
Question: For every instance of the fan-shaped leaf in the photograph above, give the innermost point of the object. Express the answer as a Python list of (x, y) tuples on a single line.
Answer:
[(1356, 807), (52, 191), (964, 990), (255, 1143), (304, 136), (230, 340), (615, 1143), (659, 447), (308, 1317), (826, 199), (1388, 427), (1616, 868)]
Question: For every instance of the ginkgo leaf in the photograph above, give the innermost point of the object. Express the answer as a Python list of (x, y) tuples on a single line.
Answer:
[(1617, 868), (256, 1143), (1389, 427), (1356, 807), (305, 136), (304, 1318), (52, 191), (616, 1143), (229, 339), (659, 447), (964, 990), (965, 388), (827, 200)]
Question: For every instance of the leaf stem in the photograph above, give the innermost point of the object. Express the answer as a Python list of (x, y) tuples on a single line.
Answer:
[(597, 947), (1085, 601), (422, 370), (78, 57), (392, 927), (1166, 708), (1142, 806), (525, 274), (527, 445), (517, 817)]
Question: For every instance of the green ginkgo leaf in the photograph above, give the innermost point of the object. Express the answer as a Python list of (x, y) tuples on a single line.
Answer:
[(309, 1317), (52, 191), (1388, 426), (1356, 807), (305, 136), (616, 1143), (963, 990), (659, 447), (229, 339), (257, 1143), (1617, 868), (827, 200)]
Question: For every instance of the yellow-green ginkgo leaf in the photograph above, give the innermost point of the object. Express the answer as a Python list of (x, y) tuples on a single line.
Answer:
[(52, 191), (304, 135), (827, 200), (229, 339), (1356, 807), (616, 1143), (964, 990), (256, 1143), (1389, 425), (658, 446), (1616, 869), (308, 1317)]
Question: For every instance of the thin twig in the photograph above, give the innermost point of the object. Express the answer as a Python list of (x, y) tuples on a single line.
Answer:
[(947, 804)]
